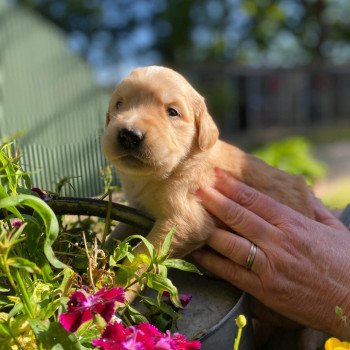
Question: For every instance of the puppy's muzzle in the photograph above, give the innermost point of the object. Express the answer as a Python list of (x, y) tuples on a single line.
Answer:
[(130, 139)]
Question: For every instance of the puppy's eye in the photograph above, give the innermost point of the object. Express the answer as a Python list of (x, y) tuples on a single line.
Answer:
[(172, 112), (118, 104)]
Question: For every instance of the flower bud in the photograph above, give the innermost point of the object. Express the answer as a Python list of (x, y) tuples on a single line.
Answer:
[(241, 321)]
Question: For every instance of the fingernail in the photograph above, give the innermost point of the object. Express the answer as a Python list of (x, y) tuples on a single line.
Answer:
[(199, 192), (220, 173)]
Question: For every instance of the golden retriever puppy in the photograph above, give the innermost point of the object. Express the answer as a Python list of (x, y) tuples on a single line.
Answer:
[(164, 145)]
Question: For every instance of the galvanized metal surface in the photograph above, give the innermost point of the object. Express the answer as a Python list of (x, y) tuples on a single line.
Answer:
[(50, 93), (212, 311)]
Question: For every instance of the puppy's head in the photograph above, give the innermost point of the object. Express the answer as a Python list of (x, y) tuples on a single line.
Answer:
[(154, 121)]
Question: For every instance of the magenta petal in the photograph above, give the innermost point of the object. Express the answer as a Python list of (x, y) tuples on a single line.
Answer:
[(149, 329), (17, 223), (114, 331), (183, 344), (76, 299), (111, 338), (116, 294), (104, 344), (72, 320), (166, 294), (106, 310), (185, 299)]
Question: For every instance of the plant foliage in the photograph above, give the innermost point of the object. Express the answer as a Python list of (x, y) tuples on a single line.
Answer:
[(53, 273), (294, 156)]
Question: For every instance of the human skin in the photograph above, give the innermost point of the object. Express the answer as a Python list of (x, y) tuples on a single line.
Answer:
[(301, 268)]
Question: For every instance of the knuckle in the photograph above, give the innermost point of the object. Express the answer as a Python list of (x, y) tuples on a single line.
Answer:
[(233, 215), (248, 197), (231, 248)]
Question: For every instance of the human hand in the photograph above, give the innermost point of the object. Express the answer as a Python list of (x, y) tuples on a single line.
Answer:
[(301, 267)]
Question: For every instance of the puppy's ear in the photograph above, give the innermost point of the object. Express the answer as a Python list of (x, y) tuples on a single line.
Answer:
[(108, 118), (208, 132)]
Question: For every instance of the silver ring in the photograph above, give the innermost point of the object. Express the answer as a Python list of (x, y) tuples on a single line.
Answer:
[(250, 259)]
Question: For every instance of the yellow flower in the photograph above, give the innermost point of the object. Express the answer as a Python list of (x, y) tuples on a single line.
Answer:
[(336, 344)]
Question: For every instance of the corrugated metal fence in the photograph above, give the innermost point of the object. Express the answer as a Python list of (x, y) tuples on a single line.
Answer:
[(51, 94), (78, 162)]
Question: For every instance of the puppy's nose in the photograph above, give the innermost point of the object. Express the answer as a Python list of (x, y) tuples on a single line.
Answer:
[(130, 139)]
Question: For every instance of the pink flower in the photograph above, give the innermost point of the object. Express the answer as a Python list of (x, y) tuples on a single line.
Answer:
[(183, 344), (142, 337), (82, 307), (17, 223)]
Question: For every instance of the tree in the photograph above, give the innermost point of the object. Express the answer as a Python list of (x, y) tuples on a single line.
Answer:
[(273, 32)]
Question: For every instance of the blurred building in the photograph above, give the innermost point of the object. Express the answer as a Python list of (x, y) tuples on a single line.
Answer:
[(244, 99)]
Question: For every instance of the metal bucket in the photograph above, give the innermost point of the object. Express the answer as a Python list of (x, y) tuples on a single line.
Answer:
[(211, 314)]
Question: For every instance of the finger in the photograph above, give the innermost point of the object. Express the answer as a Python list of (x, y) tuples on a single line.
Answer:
[(323, 215), (236, 217), (237, 249), (257, 202), (226, 269)]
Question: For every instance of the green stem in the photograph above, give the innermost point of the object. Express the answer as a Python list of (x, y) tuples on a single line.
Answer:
[(90, 276), (108, 219), (7, 271), (4, 331), (238, 339), (126, 320), (25, 298)]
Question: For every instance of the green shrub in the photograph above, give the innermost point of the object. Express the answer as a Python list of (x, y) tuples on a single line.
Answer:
[(294, 156)]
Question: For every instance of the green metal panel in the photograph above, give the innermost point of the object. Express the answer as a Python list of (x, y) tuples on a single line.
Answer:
[(50, 93)]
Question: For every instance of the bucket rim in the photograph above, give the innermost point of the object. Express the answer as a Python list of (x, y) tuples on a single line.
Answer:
[(215, 327)]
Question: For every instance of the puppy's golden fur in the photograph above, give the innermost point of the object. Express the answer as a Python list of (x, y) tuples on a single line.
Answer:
[(176, 153)]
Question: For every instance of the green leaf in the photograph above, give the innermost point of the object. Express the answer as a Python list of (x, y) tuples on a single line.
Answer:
[(4, 301), (148, 245), (3, 193), (10, 171), (17, 308), (162, 321), (165, 308), (161, 284), (121, 251), (22, 263), (87, 331), (67, 281), (135, 315), (124, 274), (48, 217), (54, 337), (162, 270), (12, 209), (167, 242), (181, 265), (15, 237)]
